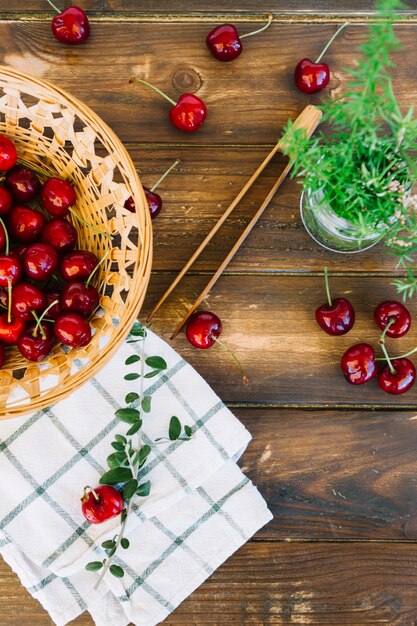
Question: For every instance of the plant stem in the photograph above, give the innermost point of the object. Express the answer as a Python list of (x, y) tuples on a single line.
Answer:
[(401, 356), (236, 360), (96, 267), (39, 320), (164, 175), (383, 347), (326, 282), (119, 539), (134, 79), (6, 236), (54, 6), (35, 330), (9, 298), (255, 32), (323, 52), (83, 221)]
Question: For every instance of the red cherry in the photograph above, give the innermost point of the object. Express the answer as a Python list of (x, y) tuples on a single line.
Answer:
[(36, 348), (72, 330), (6, 201), (101, 504), (78, 265), (8, 154), (58, 196), (10, 269), (27, 298), (10, 332), (393, 310), (40, 261), (79, 298), (154, 202), (3, 238), (358, 364), (224, 42), (56, 310), (130, 204), (202, 329), (400, 380), (189, 113), (19, 251), (2, 355), (311, 77), (22, 183), (71, 26), (336, 317), (60, 234), (25, 224)]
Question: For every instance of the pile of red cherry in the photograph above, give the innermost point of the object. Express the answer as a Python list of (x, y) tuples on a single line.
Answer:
[(45, 288), (358, 363)]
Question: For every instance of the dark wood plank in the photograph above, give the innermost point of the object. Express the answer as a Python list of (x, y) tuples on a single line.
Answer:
[(334, 474), (249, 100), (268, 583), (269, 321), (198, 191)]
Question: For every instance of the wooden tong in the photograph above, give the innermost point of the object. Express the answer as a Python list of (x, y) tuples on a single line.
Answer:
[(308, 119)]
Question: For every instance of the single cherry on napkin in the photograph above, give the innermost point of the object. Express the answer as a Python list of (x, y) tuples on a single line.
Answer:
[(312, 76), (225, 43), (337, 316), (154, 199), (101, 504), (188, 114), (70, 25)]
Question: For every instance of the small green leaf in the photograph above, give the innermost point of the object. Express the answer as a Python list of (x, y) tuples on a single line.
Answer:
[(144, 489), (142, 455), (130, 416), (130, 488), (137, 330), (134, 429), (131, 397), (117, 571), (112, 461), (111, 552), (117, 475), (146, 404), (152, 374), (109, 544), (157, 362), (120, 438), (125, 543), (174, 428), (93, 566), (188, 431), (134, 358), (117, 446), (132, 376)]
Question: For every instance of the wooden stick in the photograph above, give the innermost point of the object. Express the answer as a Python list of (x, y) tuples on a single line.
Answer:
[(303, 120)]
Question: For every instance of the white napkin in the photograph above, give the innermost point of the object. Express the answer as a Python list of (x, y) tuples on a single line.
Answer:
[(200, 510)]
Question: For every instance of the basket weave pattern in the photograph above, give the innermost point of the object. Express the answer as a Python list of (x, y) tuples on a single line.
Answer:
[(57, 134)]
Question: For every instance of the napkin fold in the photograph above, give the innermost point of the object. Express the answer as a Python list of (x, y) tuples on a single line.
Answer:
[(200, 510)]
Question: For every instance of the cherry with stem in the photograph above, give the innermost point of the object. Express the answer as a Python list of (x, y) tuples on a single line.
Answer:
[(400, 373), (225, 43), (154, 199), (337, 316), (40, 318)]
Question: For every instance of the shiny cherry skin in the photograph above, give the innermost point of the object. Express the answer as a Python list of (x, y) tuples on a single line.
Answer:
[(36, 348), (56, 310), (224, 42), (154, 202), (10, 333), (311, 77), (130, 204), (22, 183), (202, 329), (189, 113), (337, 319), (400, 381), (10, 269), (8, 154), (79, 298), (25, 299), (78, 265), (72, 330), (101, 504), (358, 364), (71, 26), (393, 310), (60, 234), (58, 196), (25, 224), (2, 356), (6, 201), (40, 261), (19, 251)]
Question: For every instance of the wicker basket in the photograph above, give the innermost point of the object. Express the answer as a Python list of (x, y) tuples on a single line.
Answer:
[(57, 133)]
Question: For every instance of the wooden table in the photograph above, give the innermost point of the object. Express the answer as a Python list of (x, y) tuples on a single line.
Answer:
[(338, 465)]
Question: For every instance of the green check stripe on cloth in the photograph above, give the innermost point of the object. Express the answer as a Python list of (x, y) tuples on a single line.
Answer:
[(201, 508)]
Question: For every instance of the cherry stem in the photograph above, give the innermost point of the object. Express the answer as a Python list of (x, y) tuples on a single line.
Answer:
[(6, 236), (326, 282), (83, 221), (35, 331), (9, 303), (255, 32), (383, 347), (96, 267), (323, 52), (134, 79), (236, 360), (54, 6), (401, 356), (39, 320), (159, 181), (88, 490)]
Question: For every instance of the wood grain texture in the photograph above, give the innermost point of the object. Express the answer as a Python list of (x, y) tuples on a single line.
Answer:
[(297, 583), (246, 104), (269, 321)]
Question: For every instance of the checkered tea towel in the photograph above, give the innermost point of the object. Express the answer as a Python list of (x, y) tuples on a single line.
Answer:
[(201, 507)]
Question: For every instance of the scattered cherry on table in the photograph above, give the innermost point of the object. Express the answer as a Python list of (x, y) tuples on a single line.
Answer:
[(225, 43), (100, 504), (154, 199), (396, 315), (336, 317), (358, 364), (71, 25)]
